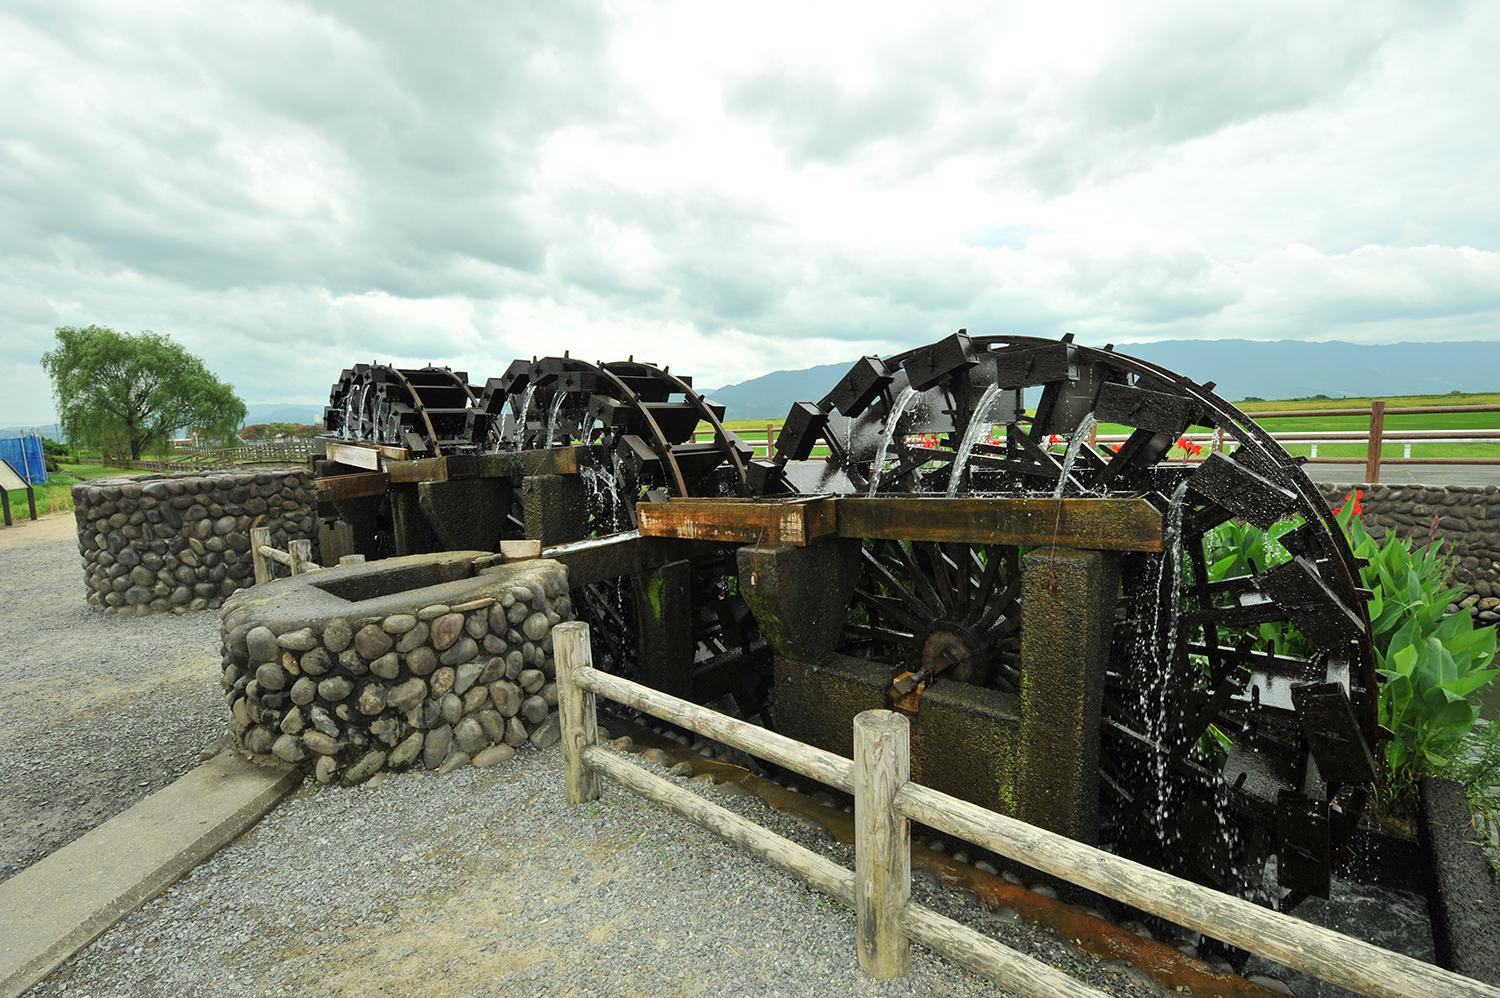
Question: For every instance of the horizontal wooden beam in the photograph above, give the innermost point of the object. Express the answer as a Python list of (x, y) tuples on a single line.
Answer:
[(359, 455), (338, 488), (1099, 524), (797, 522)]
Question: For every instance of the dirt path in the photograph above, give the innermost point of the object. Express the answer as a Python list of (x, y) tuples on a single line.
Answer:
[(95, 711)]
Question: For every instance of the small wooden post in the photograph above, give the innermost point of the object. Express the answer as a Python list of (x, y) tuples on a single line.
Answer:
[(575, 709), (260, 537), (882, 842), (1377, 435), (31, 500), (5, 502), (770, 440), (300, 552)]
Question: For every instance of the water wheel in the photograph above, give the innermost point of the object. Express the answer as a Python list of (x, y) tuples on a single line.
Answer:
[(426, 411), (1240, 710), (635, 425)]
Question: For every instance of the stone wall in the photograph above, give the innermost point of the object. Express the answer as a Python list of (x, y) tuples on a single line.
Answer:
[(412, 661), (182, 542), (1465, 517)]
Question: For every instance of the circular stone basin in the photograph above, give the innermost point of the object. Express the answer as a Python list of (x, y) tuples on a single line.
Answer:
[(413, 661)]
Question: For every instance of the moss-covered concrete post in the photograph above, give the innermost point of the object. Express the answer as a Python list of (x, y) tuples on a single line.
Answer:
[(664, 617), (1067, 621), (800, 596)]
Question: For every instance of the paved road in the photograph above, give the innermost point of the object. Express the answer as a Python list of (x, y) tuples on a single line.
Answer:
[(1402, 474)]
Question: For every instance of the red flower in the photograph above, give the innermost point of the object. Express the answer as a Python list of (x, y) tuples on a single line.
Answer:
[(1054, 439), (1189, 448), (1358, 496)]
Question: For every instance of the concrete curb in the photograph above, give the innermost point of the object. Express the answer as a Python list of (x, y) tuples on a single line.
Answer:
[(57, 906), (1464, 900)]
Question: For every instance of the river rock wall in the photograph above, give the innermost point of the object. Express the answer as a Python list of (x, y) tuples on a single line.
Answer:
[(1465, 517), (443, 676), (173, 543)]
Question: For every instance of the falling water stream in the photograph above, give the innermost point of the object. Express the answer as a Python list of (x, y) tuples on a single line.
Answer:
[(981, 422), (908, 394), (557, 404), (521, 412), (1070, 456)]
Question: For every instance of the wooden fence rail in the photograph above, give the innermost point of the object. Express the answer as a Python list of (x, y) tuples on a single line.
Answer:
[(886, 801)]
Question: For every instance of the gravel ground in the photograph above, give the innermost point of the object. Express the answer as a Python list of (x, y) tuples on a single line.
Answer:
[(96, 711), (489, 882)]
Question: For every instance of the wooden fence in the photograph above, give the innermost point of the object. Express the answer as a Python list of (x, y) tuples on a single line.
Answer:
[(886, 801), (286, 452), (1374, 438)]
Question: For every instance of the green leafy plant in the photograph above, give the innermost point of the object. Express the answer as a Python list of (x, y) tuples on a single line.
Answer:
[(1434, 663), (1477, 767), (1236, 549)]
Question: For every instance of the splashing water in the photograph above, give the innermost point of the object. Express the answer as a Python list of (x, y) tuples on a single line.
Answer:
[(1155, 701), (522, 409), (1075, 444), (908, 394), (557, 404), (984, 418)]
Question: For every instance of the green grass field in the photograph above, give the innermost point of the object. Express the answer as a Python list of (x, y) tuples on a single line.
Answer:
[(55, 494)]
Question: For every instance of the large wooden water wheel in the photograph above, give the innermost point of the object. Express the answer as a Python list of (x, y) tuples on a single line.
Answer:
[(425, 411), (1240, 713), (635, 425)]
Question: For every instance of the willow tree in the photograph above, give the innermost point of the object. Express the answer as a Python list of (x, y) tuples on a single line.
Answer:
[(125, 393)]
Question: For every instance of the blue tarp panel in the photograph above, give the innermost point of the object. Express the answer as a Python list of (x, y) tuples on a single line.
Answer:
[(25, 455)]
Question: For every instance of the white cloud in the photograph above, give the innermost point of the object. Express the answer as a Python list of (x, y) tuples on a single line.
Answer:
[(287, 187)]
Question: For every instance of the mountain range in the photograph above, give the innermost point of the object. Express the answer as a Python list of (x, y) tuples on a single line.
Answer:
[(1268, 369)]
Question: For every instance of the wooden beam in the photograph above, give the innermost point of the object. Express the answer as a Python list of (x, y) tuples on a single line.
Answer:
[(811, 762), (1091, 524), (365, 456), (576, 711), (797, 522), (882, 842), (337, 488), (1312, 949)]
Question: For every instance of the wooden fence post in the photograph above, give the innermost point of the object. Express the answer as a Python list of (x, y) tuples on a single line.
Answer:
[(301, 555), (260, 536), (770, 440), (575, 709), (1377, 435), (882, 842)]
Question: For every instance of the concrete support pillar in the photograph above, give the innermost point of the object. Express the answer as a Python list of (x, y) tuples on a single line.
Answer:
[(800, 596), (553, 508), (410, 531), (664, 618), (1067, 619), (467, 514)]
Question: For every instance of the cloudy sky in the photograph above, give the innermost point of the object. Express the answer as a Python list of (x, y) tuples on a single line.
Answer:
[(735, 188)]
